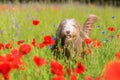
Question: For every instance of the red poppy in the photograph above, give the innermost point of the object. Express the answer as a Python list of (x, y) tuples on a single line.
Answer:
[(20, 42), (48, 40), (34, 42), (5, 69), (39, 61), (73, 77), (8, 46), (111, 28), (24, 49), (117, 54), (41, 45), (88, 41), (97, 43), (98, 78), (68, 71), (56, 68), (35, 22), (1, 46), (88, 78), (112, 71), (58, 78), (89, 51), (79, 68)]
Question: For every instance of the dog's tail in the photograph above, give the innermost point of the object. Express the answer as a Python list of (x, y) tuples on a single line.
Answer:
[(87, 26)]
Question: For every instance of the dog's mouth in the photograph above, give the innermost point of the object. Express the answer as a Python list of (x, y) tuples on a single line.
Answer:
[(68, 36)]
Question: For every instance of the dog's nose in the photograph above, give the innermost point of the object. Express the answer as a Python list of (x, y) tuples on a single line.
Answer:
[(68, 32)]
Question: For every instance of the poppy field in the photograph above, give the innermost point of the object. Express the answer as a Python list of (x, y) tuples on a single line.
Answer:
[(28, 32)]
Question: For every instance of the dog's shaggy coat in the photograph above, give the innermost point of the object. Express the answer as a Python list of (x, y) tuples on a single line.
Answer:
[(71, 35)]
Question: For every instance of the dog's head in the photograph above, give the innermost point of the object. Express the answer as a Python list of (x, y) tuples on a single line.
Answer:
[(68, 30)]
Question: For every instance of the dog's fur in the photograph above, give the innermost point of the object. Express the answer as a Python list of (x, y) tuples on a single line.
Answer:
[(72, 36)]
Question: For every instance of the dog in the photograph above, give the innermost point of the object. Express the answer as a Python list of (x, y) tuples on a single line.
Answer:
[(71, 36)]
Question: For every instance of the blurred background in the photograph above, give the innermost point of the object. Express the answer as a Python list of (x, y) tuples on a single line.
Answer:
[(115, 3)]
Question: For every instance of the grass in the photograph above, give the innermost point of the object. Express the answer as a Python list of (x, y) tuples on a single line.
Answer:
[(16, 24)]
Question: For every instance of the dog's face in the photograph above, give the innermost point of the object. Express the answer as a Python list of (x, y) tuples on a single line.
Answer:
[(69, 30)]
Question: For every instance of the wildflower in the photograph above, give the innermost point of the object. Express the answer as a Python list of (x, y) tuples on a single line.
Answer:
[(49, 47), (89, 51), (43, 33), (9, 45), (36, 22), (20, 42), (98, 27), (56, 68), (58, 78), (113, 17), (88, 41), (98, 78), (97, 43), (117, 54), (103, 32), (24, 49), (79, 68), (68, 71), (106, 40), (1, 46), (73, 77), (39, 61), (112, 71), (5, 69), (111, 29), (41, 45), (48, 40), (34, 42)]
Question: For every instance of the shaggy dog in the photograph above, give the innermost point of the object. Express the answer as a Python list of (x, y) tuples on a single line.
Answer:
[(71, 36)]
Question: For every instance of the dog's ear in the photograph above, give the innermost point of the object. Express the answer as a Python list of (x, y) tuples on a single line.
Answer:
[(87, 26)]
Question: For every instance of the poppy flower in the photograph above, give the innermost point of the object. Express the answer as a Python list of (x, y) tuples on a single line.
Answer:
[(111, 29), (39, 61), (98, 78), (20, 42), (117, 54), (48, 40), (1, 46), (56, 68), (34, 42), (89, 51), (35, 22), (73, 77), (24, 49), (41, 45), (8, 46), (79, 68), (68, 71), (88, 41), (58, 78), (5, 69), (112, 71), (97, 43), (88, 78)]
